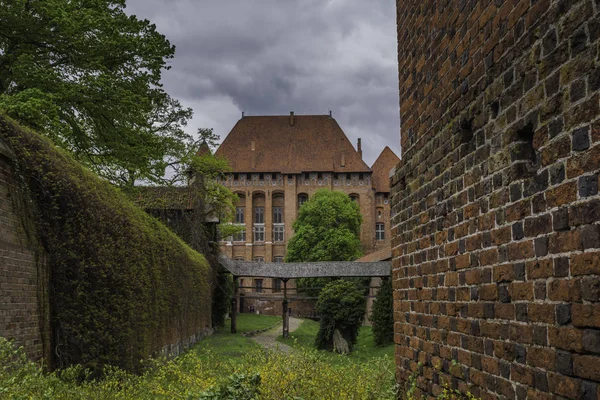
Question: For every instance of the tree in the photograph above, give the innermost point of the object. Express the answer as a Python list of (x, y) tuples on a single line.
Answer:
[(327, 229), (88, 75), (382, 315), (342, 308)]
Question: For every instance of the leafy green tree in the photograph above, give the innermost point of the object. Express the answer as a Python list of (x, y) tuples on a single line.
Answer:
[(327, 229), (382, 315), (88, 75), (341, 306)]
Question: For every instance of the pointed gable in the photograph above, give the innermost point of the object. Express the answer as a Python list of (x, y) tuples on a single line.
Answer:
[(290, 144), (203, 149), (381, 170)]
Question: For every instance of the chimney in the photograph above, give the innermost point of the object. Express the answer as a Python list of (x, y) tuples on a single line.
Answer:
[(359, 149), (291, 118), (253, 155)]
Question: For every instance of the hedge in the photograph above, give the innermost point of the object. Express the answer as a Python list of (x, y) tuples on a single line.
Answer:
[(121, 284)]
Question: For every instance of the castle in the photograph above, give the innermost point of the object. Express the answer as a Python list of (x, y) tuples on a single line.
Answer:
[(278, 163)]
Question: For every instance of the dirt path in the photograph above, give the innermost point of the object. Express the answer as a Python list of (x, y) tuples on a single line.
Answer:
[(268, 339)]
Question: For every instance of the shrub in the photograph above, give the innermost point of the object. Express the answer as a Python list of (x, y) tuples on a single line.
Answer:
[(341, 306), (382, 315)]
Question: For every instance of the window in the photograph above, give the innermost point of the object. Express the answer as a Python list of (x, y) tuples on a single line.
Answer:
[(240, 236), (258, 285), (302, 198), (276, 285), (259, 233), (278, 230), (278, 259), (379, 231), (278, 215), (259, 259), (239, 215), (259, 215), (354, 197), (238, 259)]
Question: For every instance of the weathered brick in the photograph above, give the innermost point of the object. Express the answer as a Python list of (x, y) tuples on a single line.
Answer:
[(564, 385), (541, 313), (585, 162), (585, 264), (521, 291), (539, 268), (521, 250), (586, 315), (541, 357), (561, 195), (566, 338), (587, 366), (562, 242), (584, 213)]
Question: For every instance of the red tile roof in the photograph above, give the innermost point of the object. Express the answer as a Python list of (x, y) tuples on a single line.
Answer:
[(379, 255), (381, 170), (313, 143)]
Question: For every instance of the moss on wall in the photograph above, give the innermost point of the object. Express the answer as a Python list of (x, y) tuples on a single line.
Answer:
[(122, 285)]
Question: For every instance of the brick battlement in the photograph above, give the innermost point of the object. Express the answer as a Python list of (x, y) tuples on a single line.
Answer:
[(495, 205)]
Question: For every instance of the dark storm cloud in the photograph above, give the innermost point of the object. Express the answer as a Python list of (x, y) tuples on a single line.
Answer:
[(274, 56)]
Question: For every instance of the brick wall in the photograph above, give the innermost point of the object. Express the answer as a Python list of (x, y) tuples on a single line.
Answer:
[(23, 273), (495, 208)]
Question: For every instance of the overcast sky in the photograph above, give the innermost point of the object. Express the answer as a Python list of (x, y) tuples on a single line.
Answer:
[(270, 57)]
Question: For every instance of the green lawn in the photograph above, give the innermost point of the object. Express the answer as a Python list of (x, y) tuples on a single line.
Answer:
[(252, 322), (227, 344), (364, 350)]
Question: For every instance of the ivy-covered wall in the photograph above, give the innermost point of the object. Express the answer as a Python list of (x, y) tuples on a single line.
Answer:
[(24, 307), (122, 286)]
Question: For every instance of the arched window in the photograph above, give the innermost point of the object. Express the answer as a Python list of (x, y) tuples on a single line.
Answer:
[(379, 231), (278, 224), (258, 202), (354, 197), (302, 198)]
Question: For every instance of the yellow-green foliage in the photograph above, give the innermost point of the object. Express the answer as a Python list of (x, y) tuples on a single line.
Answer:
[(122, 285), (299, 375)]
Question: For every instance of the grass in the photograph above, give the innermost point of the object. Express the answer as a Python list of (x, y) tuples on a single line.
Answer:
[(234, 345), (223, 362), (252, 322), (363, 351)]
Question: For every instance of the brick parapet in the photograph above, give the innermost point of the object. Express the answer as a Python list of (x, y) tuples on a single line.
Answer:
[(495, 205)]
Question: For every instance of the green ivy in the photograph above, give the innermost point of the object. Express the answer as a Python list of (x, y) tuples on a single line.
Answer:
[(121, 284)]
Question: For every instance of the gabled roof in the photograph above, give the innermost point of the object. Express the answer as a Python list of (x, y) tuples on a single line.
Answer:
[(314, 143), (384, 254), (381, 170), (203, 149), (165, 197)]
